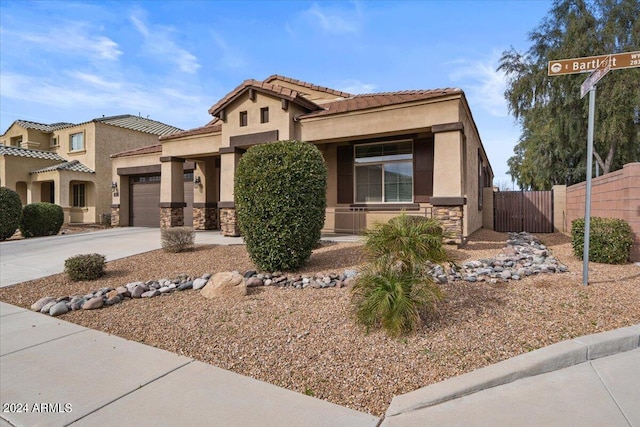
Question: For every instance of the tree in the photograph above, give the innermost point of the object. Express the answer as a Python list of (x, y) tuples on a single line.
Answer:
[(552, 146)]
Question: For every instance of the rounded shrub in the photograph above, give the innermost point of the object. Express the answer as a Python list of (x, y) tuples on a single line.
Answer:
[(41, 219), (10, 212), (280, 198), (85, 267), (610, 240)]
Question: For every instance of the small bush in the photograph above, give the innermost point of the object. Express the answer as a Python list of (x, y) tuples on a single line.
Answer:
[(610, 240), (85, 267), (177, 239), (280, 197), (41, 219), (393, 297), (10, 212)]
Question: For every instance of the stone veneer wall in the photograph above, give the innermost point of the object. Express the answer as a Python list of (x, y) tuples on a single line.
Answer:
[(451, 219), (171, 217), (115, 216), (228, 223), (205, 218)]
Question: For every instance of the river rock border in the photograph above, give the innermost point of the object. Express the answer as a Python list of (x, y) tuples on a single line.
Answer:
[(524, 255)]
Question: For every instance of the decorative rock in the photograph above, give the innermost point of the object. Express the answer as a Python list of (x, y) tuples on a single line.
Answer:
[(165, 289), (137, 291), (225, 284), (150, 293), (112, 294), (123, 292), (350, 273), (113, 300), (37, 306), (199, 283), (185, 285), (249, 273), (268, 282), (206, 276), (59, 308), (48, 306), (252, 282), (93, 303)]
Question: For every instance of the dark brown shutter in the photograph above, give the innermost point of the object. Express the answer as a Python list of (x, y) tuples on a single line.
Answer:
[(423, 169), (345, 174)]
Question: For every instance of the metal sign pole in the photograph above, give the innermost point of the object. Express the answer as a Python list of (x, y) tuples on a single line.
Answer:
[(587, 207)]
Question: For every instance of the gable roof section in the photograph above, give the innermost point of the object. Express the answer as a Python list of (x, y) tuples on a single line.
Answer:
[(270, 89), (73, 166), (374, 100), (41, 126), (140, 124), (6, 150), (308, 85), (214, 125), (149, 149)]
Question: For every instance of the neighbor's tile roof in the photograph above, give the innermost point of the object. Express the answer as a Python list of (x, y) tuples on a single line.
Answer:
[(156, 148), (74, 166), (6, 150), (213, 126), (276, 90), (307, 85), (374, 100), (41, 126)]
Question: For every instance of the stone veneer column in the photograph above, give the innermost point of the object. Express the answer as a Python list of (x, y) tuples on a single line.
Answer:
[(115, 215), (228, 223), (205, 216), (451, 218), (171, 217)]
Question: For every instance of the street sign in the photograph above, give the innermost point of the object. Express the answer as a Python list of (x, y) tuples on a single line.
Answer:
[(598, 73), (591, 63)]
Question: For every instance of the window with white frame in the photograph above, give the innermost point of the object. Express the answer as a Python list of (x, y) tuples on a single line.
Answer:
[(76, 141), (78, 191), (384, 172)]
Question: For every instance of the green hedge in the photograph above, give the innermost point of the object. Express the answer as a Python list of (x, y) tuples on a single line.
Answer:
[(610, 240), (85, 267), (280, 199), (10, 212), (41, 219)]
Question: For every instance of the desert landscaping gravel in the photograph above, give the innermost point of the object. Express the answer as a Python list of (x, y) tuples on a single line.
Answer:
[(306, 339)]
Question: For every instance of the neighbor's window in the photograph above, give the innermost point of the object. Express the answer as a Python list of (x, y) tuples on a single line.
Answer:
[(264, 115), (78, 195), (16, 141), (76, 141), (384, 172), (243, 118), (54, 141)]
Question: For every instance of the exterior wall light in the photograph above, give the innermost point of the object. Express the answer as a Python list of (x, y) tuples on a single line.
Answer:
[(197, 181), (114, 187)]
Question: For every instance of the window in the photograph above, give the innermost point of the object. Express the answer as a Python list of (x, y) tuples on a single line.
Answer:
[(16, 141), (54, 141), (480, 181), (76, 142), (243, 118), (264, 115), (78, 196), (384, 172)]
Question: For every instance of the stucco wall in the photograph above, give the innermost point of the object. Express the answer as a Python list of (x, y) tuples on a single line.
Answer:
[(614, 195)]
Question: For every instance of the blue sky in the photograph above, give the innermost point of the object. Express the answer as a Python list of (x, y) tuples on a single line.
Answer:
[(171, 60)]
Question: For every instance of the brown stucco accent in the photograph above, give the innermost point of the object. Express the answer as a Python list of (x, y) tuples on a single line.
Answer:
[(448, 127), (139, 170), (115, 205), (172, 204), (386, 206), (226, 205), (254, 138), (164, 159), (205, 204), (448, 201)]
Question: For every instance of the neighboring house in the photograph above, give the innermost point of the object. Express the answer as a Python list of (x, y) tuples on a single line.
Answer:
[(415, 151), (69, 164)]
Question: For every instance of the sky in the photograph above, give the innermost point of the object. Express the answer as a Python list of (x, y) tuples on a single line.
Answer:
[(66, 61)]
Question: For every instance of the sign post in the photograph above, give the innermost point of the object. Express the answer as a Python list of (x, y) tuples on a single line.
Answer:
[(599, 66)]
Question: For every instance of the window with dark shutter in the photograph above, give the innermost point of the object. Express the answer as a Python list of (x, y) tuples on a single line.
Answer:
[(423, 169), (345, 174)]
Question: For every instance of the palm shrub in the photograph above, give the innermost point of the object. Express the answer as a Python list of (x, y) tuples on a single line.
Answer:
[(610, 240), (280, 199), (41, 219), (395, 289), (10, 212)]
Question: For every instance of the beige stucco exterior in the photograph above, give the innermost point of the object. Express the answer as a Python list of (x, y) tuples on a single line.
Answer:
[(444, 119), (20, 171)]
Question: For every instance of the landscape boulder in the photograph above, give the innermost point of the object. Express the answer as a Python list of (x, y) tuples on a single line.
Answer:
[(225, 285)]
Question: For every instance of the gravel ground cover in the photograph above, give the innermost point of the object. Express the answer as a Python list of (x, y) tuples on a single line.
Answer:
[(306, 339)]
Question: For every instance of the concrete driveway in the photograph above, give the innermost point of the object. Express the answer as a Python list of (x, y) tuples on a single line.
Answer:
[(28, 259)]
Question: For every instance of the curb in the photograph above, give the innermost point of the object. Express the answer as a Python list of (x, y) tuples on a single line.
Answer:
[(554, 357)]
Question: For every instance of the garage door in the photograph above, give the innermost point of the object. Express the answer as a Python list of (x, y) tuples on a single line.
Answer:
[(144, 198)]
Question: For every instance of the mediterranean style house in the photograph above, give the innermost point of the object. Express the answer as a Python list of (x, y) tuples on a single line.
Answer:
[(414, 151), (69, 164)]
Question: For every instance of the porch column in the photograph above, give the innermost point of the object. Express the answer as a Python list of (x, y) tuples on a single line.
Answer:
[(34, 192), (62, 195), (205, 197), (229, 158), (448, 198), (172, 192)]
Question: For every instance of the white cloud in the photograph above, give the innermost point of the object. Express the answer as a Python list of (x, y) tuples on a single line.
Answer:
[(356, 87), (158, 42), (483, 84), (228, 57), (335, 20)]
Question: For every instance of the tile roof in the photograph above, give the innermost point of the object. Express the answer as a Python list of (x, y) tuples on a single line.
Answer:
[(74, 166), (6, 150), (374, 100), (276, 90), (214, 125), (307, 85), (41, 126), (156, 148)]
